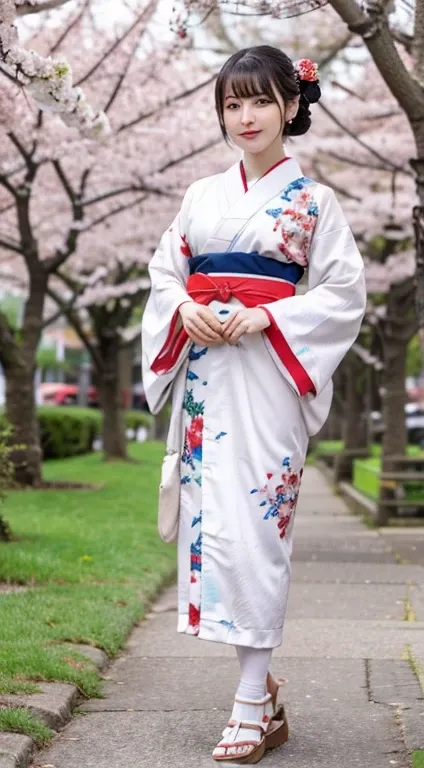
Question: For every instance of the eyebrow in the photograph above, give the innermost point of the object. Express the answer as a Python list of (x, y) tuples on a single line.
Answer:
[(230, 96)]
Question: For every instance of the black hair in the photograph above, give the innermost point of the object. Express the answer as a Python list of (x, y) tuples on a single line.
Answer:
[(258, 70)]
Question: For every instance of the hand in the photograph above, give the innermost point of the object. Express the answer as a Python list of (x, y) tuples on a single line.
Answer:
[(246, 321), (200, 324)]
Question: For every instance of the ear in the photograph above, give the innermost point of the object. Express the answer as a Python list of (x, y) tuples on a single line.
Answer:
[(292, 109)]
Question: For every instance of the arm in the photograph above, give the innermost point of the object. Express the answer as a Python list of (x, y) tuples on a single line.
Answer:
[(310, 334), (162, 340)]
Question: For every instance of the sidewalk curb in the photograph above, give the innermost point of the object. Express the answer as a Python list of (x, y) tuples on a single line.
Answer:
[(54, 706), (394, 684), (16, 750)]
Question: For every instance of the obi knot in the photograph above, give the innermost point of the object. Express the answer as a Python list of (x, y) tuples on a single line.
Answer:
[(224, 291)]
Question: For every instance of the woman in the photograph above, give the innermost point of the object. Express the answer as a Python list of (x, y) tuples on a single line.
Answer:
[(250, 365)]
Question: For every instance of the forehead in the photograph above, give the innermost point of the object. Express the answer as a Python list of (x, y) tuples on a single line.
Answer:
[(246, 85)]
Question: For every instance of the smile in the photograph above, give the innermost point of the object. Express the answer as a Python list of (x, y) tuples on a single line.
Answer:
[(250, 134)]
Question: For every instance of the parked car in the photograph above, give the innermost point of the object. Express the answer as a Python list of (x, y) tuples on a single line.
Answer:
[(414, 422), (65, 394)]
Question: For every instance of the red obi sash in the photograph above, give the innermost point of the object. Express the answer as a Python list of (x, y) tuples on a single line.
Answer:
[(251, 292)]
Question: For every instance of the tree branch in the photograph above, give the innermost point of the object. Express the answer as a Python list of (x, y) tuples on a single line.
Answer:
[(11, 245), (115, 211), (380, 43), (73, 23), (122, 190), (7, 185), (362, 143), (65, 183), (190, 154), (67, 307), (124, 73), (402, 38), (21, 149), (143, 16), (76, 324), (418, 44), (165, 104), (27, 8)]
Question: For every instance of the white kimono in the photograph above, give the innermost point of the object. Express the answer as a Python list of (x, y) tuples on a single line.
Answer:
[(248, 410)]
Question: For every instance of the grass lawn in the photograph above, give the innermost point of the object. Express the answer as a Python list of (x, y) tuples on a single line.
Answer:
[(418, 759), (94, 558)]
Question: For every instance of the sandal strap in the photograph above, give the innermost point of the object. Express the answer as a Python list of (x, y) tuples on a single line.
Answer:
[(258, 702), (246, 724)]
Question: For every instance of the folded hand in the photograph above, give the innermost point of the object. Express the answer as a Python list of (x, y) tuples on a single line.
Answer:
[(251, 320)]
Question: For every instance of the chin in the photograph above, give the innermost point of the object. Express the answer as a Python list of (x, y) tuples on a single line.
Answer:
[(252, 147)]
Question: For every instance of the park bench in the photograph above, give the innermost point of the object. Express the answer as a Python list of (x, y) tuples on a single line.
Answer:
[(395, 485)]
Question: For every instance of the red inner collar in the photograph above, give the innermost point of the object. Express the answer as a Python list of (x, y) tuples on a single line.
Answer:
[(243, 172)]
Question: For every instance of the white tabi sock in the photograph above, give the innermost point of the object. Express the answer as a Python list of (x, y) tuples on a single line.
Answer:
[(254, 667)]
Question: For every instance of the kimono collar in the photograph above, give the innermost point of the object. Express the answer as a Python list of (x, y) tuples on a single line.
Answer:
[(242, 204)]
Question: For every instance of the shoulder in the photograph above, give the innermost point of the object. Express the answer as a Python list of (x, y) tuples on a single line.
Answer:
[(199, 187), (329, 211)]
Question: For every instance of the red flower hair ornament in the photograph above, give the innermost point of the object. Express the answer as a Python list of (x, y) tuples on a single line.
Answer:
[(306, 70), (308, 78)]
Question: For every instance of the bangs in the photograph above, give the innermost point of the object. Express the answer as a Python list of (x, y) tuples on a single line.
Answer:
[(245, 84)]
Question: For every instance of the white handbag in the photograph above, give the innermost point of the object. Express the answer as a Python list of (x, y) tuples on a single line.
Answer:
[(170, 482)]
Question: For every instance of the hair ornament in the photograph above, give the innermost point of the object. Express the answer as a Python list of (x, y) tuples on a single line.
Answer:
[(306, 70)]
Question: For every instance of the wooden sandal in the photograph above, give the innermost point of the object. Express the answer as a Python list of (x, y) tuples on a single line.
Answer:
[(233, 728), (274, 696), (278, 731)]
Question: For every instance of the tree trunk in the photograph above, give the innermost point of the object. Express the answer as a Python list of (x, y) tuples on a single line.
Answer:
[(355, 424), (394, 435), (418, 222), (114, 438), (394, 400), (22, 417)]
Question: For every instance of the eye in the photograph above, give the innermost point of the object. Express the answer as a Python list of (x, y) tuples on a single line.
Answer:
[(232, 105), (263, 100)]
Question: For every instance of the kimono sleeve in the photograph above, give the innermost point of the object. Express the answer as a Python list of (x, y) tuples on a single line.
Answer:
[(164, 349), (311, 333)]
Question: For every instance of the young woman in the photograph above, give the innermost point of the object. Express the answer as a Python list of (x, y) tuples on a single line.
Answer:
[(250, 365)]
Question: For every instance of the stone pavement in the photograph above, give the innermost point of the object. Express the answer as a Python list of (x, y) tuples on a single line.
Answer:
[(352, 698)]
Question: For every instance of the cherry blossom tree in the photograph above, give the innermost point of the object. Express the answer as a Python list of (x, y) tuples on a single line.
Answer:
[(48, 81), (387, 30), (360, 145), (84, 214)]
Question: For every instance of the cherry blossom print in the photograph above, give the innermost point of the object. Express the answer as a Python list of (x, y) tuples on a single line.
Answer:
[(280, 494), (296, 223)]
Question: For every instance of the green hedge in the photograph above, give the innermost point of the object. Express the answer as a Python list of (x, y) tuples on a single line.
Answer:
[(71, 431), (67, 431)]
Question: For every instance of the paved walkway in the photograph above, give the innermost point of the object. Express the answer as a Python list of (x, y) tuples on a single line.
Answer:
[(352, 698)]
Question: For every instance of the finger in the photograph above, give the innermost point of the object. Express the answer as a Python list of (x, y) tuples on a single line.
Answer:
[(233, 328), (208, 316), (237, 333), (199, 341), (230, 322), (200, 326)]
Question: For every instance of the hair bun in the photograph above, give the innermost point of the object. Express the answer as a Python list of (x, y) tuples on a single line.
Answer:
[(311, 90)]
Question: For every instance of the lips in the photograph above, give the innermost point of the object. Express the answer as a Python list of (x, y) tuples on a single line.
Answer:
[(250, 134)]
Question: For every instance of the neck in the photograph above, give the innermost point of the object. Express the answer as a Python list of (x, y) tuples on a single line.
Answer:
[(256, 165)]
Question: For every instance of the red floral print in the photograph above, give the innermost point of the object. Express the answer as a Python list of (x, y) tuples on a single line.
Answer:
[(185, 248)]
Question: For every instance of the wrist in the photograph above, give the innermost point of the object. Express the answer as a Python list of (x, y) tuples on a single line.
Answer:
[(183, 303), (267, 317)]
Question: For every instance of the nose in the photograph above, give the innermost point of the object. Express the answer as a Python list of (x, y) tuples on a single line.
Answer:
[(247, 115)]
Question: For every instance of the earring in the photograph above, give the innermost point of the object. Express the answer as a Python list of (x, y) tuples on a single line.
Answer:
[(290, 122)]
